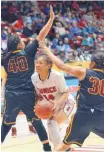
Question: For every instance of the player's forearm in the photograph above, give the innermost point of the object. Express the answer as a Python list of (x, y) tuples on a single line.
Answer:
[(54, 59), (78, 72), (43, 33)]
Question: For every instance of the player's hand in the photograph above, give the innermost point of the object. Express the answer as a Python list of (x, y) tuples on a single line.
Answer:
[(52, 15), (39, 97)]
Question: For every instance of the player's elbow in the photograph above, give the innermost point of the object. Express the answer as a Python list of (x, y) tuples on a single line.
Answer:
[(42, 35)]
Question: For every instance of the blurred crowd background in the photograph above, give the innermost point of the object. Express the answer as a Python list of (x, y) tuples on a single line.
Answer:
[(77, 31)]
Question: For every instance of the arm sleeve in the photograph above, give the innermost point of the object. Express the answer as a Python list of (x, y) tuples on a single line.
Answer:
[(61, 84), (31, 49)]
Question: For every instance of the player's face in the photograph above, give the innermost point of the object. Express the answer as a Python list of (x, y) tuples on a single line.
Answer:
[(41, 65)]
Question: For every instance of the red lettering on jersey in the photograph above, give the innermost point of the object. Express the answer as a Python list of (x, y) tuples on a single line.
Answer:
[(41, 91), (51, 90), (54, 89), (47, 90), (51, 97)]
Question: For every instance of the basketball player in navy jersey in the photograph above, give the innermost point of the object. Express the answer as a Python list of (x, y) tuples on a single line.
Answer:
[(90, 112), (19, 66)]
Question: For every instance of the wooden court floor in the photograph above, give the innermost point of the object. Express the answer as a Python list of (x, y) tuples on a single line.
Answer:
[(28, 142)]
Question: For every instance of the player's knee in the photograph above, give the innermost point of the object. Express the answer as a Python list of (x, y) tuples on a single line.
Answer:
[(9, 120)]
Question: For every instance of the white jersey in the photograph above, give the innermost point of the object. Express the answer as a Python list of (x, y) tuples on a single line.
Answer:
[(52, 88)]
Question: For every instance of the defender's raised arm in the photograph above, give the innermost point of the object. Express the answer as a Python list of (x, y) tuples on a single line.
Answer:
[(45, 30)]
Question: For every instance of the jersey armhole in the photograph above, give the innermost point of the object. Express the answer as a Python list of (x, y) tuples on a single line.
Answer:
[(84, 76), (32, 48)]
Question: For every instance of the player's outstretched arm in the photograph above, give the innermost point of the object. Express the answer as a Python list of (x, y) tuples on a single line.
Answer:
[(45, 30), (78, 72)]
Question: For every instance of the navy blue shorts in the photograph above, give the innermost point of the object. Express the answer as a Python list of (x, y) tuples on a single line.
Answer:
[(82, 124), (16, 101)]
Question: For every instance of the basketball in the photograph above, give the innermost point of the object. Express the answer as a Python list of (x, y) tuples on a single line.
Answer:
[(44, 109)]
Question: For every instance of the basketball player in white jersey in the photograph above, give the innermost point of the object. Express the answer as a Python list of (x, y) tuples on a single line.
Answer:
[(50, 85)]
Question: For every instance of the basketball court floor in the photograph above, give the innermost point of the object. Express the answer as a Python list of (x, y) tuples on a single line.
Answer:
[(28, 142)]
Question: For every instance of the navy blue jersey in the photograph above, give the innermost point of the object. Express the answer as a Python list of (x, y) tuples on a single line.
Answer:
[(19, 68), (91, 94)]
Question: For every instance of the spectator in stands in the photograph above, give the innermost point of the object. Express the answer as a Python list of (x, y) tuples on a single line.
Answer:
[(90, 28), (99, 44), (27, 30), (13, 12), (88, 17), (82, 23), (4, 11), (59, 46), (46, 9), (100, 30), (87, 41), (75, 30), (75, 5), (27, 18), (70, 35), (17, 26), (25, 7), (85, 56), (55, 41), (66, 47), (75, 56), (73, 20), (62, 56), (59, 28)]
